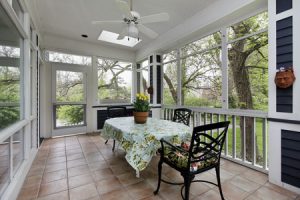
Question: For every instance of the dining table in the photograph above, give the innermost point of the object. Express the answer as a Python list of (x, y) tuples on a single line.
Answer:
[(141, 141)]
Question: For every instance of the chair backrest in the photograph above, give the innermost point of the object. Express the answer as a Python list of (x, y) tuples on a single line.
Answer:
[(207, 142), (116, 111), (182, 115)]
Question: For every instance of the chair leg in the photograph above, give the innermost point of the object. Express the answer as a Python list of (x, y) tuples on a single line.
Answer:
[(113, 149), (106, 141), (187, 184), (159, 177), (219, 181)]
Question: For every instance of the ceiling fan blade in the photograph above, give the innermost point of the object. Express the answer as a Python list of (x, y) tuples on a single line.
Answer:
[(147, 31), (124, 7), (108, 21), (122, 34), (160, 17)]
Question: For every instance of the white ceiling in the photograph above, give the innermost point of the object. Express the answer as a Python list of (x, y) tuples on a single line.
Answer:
[(71, 18)]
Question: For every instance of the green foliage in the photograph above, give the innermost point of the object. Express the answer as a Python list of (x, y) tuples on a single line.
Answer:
[(70, 114), (141, 103), (8, 116), (168, 100), (9, 95), (201, 102), (69, 86)]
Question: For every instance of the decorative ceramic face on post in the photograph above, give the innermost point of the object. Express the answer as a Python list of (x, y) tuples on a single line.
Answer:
[(285, 78)]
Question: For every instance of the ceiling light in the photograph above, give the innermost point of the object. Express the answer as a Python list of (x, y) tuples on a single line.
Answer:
[(133, 31)]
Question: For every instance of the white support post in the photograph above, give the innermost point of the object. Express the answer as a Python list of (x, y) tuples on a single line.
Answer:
[(154, 76), (134, 81), (91, 96), (26, 89), (179, 75), (155, 63), (224, 68)]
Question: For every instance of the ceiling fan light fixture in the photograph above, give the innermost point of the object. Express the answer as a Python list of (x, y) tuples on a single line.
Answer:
[(133, 31)]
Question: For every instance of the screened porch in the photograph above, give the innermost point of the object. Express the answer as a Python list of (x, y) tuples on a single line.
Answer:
[(62, 70)]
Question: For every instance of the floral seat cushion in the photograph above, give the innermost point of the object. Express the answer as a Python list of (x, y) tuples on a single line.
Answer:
[(180, 159)]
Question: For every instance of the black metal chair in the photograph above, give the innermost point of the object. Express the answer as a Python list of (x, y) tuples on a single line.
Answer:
[(182, 115), (116, 111), (202, 154)]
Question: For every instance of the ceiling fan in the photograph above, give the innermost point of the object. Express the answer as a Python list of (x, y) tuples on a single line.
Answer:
[(135, 23)]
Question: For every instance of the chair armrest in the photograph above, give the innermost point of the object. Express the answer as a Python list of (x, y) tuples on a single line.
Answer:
[(163, 142)]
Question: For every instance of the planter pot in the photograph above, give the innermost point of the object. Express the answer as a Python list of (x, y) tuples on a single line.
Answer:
[(140, 117)]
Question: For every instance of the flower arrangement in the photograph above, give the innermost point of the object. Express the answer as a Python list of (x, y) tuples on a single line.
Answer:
[(141, 103)]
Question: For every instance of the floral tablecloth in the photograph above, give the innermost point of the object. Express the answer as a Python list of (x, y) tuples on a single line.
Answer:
[(141, 141)]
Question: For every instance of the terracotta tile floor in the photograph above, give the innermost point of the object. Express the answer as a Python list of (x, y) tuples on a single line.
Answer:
[(83, 167)]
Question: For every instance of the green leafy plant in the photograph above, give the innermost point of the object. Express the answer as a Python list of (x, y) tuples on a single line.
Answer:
[(141, 103)]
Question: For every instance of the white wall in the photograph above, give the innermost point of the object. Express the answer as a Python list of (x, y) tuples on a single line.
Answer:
[(45, 101)]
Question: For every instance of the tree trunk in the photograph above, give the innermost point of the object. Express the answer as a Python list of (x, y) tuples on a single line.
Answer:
[(171, 87), (241, 80)]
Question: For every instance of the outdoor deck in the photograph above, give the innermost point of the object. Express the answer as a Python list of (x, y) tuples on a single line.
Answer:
[(83, 167)]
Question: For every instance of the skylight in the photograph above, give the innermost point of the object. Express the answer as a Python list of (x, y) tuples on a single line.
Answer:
[(111, 37)]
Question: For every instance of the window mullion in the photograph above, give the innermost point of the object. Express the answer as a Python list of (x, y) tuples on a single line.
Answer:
[(179, 78), (224, 68)]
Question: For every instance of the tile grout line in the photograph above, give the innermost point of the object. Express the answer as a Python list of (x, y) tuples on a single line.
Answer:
[(88, 164), (122, 186), (92, 172), (43, 173), (67, 171)]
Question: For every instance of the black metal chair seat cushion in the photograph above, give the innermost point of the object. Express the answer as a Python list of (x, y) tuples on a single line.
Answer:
[(178, 158)]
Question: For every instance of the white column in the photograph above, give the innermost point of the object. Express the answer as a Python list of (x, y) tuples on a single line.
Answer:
[(155, 63), (26, 87), (91, 96), (179, 79), (224, 69)]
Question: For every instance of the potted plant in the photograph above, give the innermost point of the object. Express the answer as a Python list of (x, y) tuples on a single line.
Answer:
[(141, 108)]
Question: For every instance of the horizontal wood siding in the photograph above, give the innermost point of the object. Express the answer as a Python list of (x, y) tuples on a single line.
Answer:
[(290, 157), (283, 5), (284, 49)]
